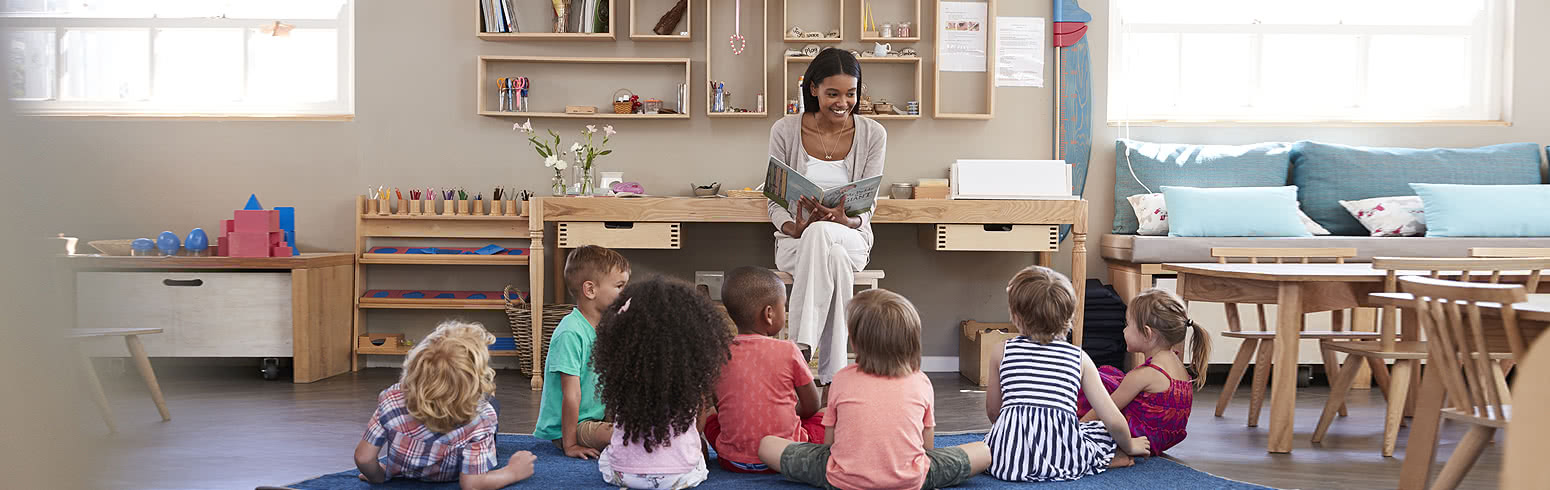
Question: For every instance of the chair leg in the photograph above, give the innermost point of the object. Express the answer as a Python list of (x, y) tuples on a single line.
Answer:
[(98, 396), (1235, 375), (1469, 449), (1263, 363), (1380, 375), (1332, 369), (143, 363), (1338, 390), (1399, 389)]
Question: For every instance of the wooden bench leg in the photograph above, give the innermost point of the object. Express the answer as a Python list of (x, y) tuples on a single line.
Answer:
[(98, 396), (143, 363)]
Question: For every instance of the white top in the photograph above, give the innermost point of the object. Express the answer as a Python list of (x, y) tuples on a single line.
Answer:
[(827, 174)]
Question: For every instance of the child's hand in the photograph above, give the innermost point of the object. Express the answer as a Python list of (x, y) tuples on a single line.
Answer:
[(522, 463), (579, 451), (1140, 446)]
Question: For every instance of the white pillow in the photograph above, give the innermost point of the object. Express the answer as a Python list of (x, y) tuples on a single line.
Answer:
[(1389, 216), (1152, 214)]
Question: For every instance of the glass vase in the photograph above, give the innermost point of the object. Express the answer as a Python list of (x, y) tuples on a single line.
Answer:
[(557, 185), (586, 181)]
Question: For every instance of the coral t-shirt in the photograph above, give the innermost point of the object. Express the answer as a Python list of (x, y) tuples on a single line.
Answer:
[(877, 424), (757, 396)]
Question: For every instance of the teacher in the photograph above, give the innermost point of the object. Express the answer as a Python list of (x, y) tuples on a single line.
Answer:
[(820, 246)]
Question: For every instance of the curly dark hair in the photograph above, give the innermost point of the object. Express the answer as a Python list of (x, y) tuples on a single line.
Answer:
[(659, 351)]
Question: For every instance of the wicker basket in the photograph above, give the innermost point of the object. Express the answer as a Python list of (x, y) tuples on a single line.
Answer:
[(625, 107), (520, 314)]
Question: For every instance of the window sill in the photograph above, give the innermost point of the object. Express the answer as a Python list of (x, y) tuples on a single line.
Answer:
[(90, 116), (1306, 124)]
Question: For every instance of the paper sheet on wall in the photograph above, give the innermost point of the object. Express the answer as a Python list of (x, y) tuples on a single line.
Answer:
[(1019, 51), (962, 36)]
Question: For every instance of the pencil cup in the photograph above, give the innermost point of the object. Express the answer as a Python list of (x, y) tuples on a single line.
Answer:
[(414, 207), (496, 206), (462, 206), (383, 207), (403, 206), (513, 207), (447, 208), (526, 207), (371, 206)]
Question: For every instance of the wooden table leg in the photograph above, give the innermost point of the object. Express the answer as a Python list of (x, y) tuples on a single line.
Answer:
[(1079, 280), (535, 285), (1283, 379), (1421, 449), (90, 372), (143, 363)]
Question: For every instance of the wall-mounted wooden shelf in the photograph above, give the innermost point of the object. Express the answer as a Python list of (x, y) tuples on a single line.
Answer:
[(433, 304), (430, 259), (485, 86), (876, 37), (536, 24), (649, 36), (785, 22), (990, 70), (787, 80), (761, 37)]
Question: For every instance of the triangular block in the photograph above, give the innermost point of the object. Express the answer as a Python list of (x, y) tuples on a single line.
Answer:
[(253, 204)]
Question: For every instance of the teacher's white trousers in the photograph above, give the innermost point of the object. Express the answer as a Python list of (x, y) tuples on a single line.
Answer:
[(822, 264)]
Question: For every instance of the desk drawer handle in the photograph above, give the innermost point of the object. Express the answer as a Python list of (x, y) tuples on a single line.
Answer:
[(998, 227), (188, 283), (618, 225)]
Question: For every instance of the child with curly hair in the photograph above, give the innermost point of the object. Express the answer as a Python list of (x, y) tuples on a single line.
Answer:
[(659, 351), (1035, 434), (438, 422), (569, 412), (766, 389), (880, 423), (1156, 401)]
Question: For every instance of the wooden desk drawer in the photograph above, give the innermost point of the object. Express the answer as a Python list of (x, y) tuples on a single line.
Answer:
[(991, 238), (617, 234), (201, 314)]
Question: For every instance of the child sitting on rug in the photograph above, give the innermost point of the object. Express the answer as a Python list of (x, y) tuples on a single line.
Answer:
[(438, 421), (879, 425), (766, 389), (1035, 434), (1156, 396), (569, 411), (659, 351)]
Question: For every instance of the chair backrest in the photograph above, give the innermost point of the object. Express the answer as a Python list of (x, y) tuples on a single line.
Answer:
[(1508, 252), (1458, 339), (1281, 255), (1464, 268)]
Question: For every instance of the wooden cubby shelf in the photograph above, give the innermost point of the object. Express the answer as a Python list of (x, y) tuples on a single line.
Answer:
[(650, 36), (529, 18), (763, 54), (868, 36), (430, 259), (433, 304), (785, 22), (485, 88), (788, 80), (989, 73)]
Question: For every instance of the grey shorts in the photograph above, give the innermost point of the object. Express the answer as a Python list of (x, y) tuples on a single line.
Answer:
[(805, 462)]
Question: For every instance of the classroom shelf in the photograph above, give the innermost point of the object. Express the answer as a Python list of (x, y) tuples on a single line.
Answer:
[(600, 115), (433, 304), (749, 115), (989, 74), (484, 83), (438, 217), (651, 36), (861, 22), (785, 23), (863, 59), (718, 29), (660, 38), (788, 79), (429, 259), (814, 40), (543, 21)]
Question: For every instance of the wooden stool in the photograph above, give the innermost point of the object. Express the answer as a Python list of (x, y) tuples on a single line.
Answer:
[(862, 278), (142, 362)]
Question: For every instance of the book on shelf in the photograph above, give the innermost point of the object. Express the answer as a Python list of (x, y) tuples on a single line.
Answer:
[(488, 11), (511, 16), (785, 186)]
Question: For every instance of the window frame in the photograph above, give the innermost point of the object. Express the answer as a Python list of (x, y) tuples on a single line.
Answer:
[(342, 108), (1491, 85)]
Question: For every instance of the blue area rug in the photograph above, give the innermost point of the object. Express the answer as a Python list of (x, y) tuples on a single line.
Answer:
[(554, 470)]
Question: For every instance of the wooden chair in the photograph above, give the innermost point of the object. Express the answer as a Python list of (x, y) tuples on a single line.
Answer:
[(1488, 252), (1520, 465), (142, 362), (867, 278), (1260, 345), (1449, 312), (1406, 349)]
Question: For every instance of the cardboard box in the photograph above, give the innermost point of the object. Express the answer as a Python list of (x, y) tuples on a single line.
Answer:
[(980, 343)]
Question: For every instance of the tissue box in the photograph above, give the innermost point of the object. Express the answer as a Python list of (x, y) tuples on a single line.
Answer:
[(978, 346)]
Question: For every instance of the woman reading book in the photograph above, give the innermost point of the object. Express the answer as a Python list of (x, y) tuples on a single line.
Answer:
[(820, 246)]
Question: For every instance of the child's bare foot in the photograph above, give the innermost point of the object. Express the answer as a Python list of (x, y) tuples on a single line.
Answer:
[(1121, 460), (521, 464)]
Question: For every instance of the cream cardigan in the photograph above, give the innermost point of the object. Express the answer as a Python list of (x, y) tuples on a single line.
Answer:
[(864, 160)]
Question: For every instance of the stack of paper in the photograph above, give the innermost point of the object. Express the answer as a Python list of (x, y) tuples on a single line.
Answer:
[(1011, 179)]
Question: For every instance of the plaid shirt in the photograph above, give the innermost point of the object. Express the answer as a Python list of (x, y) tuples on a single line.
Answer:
[(417, 452)]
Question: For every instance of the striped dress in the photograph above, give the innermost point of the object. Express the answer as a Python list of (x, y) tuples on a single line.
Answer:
[(1037, 437)]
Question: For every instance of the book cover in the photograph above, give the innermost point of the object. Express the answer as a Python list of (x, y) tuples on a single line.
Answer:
[(786, 187)]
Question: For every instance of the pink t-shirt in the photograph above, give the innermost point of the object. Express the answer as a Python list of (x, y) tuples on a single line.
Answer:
[(682, 455), (877, 440), (757, 396)]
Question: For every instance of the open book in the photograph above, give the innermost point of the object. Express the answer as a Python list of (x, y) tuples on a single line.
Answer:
[(786, 187)]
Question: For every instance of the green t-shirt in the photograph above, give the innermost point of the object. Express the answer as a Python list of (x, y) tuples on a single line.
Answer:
[(570, 352)]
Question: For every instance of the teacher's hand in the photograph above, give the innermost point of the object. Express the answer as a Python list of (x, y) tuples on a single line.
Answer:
[(801, 219), (835, 214)]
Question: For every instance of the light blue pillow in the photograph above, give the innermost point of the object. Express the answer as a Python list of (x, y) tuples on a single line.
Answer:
[(1143, 168), (1233, 211), (1485, 210)]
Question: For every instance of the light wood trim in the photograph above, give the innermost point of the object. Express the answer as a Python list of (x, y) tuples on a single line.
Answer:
[(919, 74), (481, 99), (764, 56), (1504, 294), (443, 217), (430, 259), (640, 235), (1339, 254), (863, 59), (990, 68), (599, 115), (861, 27), (1306, 124), (547, 36), (433, 304), (652, 36), (86, 333), (1484, 252), (1473, 264), (320, 322), (785, 26), (921, 211), (445, 229), (300, 261), (126, 116)]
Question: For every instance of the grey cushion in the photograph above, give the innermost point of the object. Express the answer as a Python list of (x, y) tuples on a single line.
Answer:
[(1159, 249), (1158, 164)]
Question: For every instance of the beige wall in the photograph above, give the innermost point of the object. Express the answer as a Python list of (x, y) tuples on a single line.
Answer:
[(415, 126)]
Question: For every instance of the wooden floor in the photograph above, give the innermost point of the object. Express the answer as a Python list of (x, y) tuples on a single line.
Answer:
[(230, 429)]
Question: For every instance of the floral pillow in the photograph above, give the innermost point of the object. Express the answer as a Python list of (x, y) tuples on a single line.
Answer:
[(1152, 214), (1389, 216)]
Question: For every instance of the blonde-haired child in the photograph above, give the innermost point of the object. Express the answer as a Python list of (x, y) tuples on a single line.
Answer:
[(1035, 434), (1156, 396), (437, 422), (880, 422)]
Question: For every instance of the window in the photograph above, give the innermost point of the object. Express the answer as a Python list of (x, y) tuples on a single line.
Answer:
[(1313, 61), (180, 57)]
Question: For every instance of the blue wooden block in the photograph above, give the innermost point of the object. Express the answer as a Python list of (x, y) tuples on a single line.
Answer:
[(253, 204), (287, 217)]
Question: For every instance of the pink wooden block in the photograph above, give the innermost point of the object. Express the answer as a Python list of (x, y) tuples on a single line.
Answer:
[(228, 226), (281, 251), (276, 238), (224, 242), (257, 221), (249, 244)]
